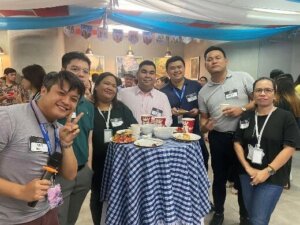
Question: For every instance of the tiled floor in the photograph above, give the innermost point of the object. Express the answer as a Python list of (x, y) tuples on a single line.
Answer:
[(287, 211)]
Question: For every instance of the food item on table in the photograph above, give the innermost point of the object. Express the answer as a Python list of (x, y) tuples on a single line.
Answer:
[(123, 136), (186, 136), (182, 111), (179, 130)]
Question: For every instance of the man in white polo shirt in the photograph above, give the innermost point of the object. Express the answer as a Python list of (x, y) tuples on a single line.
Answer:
[(144, 98), (221, 102)]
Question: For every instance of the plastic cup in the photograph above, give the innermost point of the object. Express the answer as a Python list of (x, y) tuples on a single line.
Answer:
[(146, 119), (188, 124), (160, 121)]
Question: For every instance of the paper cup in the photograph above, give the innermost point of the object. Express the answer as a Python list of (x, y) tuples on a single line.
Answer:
[(188, 124), (160, 121), (136, 130), (146, 119), (223, 106)]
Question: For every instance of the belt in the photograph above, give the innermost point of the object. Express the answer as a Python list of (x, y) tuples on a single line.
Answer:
[(80, 167), (225, 132)]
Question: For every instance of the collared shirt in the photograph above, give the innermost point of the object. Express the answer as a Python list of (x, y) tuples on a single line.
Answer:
[(188, 102), (17, 90), (20, 164), (235, 91), (141, 103), (86, 124)]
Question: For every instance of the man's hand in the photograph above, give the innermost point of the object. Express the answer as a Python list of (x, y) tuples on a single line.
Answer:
[(232, 111), (35, 190), (210, 124), (193, 112), (70, 130), (175, 111)]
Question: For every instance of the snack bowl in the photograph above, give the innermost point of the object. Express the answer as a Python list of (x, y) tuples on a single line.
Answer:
[(163, 132), (147, 128)]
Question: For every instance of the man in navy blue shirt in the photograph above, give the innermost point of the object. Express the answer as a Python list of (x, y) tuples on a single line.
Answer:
[(183, 97)]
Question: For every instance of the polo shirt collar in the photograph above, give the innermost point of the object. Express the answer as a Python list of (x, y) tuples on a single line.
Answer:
[(211, 83), (139, 91), (40, 115)]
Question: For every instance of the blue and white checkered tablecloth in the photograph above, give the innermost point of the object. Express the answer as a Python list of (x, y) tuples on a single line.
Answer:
[(148, 186)]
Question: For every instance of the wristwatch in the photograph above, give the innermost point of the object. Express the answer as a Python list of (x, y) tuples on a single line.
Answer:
[(271, 171), (243, 109)]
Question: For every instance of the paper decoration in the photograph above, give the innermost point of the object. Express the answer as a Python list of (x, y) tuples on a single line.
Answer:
[(118, 35), (102, 34), (133, 37), (86, 31), (147, 37)]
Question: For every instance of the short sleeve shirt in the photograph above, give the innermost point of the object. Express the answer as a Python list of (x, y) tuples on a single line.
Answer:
[(235, 91)]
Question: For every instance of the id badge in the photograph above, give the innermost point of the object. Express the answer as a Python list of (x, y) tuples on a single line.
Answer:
[(258, 155), (116, 122), (107, 135), (37, 144), (179, 119), (231, 94), (156, 112), (191, 97), (244, 124), (250, 152), (55, 197)]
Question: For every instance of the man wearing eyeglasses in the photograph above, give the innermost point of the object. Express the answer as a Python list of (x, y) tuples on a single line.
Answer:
[(221, 102), (75, 191)]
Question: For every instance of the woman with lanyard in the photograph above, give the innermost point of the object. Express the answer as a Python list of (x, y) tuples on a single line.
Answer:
[(111, 115), (265, 141)]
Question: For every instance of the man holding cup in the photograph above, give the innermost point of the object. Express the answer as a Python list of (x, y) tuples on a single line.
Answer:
[(221, 102), (144, 100)]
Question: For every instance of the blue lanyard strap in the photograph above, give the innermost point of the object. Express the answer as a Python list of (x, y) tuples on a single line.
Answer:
[(180, 97), (45, 133)]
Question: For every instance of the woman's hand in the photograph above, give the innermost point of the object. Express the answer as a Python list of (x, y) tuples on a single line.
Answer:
[(260, 177), (251, 171)]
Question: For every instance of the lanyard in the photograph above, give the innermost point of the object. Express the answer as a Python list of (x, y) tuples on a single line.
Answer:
[(180, 97), (259, 134), (45, 133), (108, 116)]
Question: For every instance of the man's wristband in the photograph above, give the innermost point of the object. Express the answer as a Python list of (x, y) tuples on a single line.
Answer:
[(63, 146)]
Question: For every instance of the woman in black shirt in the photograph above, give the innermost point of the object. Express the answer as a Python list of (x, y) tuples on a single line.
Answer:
[(265, 140), (111, 115)]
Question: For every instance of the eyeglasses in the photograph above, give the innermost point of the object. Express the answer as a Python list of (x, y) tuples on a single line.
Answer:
[(265, 90), (76, 70)]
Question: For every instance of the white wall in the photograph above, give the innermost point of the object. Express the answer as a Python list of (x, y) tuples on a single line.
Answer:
[(43, 47)]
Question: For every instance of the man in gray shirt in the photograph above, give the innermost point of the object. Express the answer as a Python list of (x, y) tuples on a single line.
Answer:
[(221, 102), (29, 136)]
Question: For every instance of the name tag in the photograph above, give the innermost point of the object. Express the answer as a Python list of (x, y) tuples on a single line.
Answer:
[(244, 124), (191, 97), (38, 144), (231, 94), (107, 135), (156, 112), (116, 122)]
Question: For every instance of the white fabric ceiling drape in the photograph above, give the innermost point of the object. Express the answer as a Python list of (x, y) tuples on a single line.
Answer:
[(228, 11)]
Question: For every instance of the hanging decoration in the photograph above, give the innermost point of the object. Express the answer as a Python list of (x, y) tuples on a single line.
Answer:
[(117, 35), (69, 31), (147, 37), (133, 37), (102, 34), (161, 38), (86, 31)]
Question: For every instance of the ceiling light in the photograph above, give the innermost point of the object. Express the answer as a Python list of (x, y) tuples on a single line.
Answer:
[(277, 11), (168, 53), (130, 53), (1, 51), (89, 51)]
